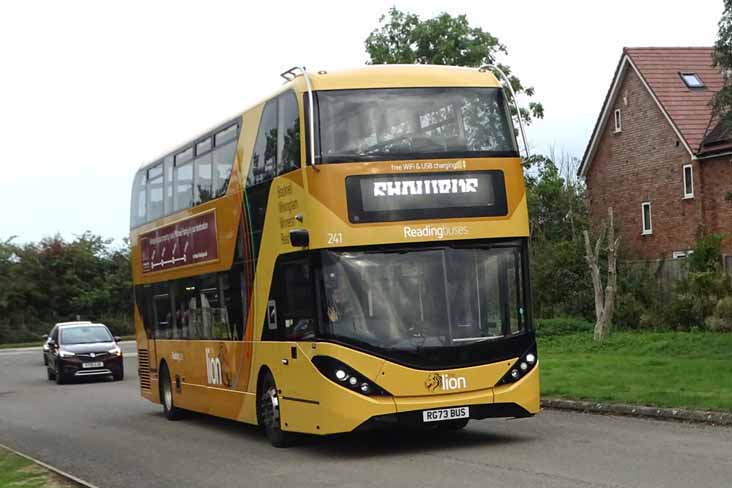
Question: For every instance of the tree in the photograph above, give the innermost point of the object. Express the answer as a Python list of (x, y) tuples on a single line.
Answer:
[(557, 217), (722, 58), (604, 300), (55, 280), (404, 38)]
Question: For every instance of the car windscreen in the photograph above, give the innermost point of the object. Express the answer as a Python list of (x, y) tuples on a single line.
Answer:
[(412, 123), (85, 335)]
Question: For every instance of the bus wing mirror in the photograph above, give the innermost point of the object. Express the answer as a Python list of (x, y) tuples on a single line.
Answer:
[(299, 238)]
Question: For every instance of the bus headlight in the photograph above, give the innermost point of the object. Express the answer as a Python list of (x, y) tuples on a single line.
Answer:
[(347, 377), (520, 368)]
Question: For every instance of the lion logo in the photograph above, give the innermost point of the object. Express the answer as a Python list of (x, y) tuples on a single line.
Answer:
[(432, 382)]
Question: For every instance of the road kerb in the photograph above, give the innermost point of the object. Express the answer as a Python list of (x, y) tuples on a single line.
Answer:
[(677, 414), (59, 472)]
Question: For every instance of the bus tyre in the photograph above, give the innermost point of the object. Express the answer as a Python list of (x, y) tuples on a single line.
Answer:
[(170, 411), (456, 424), (269, 413)]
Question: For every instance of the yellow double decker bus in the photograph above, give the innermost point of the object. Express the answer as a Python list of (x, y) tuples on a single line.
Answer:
[(351, 252)]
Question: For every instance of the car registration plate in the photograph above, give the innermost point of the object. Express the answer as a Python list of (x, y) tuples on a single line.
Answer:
[(98, 364), (445, 414)]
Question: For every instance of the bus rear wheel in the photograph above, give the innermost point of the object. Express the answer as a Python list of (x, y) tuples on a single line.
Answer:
[(170, 411), (269, 413)]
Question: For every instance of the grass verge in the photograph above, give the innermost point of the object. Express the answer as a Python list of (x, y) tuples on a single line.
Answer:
[(20, 344), (665, 369), (19, 472)]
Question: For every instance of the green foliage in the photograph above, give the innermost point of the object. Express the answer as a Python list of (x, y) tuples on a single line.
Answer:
[(55, 280), (557, 216), (722, 57), (404, 38), (721, 319), (560, 279), (707, 255), (562, 326), (646, 301)]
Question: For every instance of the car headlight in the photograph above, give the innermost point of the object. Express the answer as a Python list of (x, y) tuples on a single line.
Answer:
[(66, 354), (519, 369), (347, 377), (116, 351)]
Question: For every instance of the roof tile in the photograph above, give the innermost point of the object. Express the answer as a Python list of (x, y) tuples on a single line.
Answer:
[(688, 108)]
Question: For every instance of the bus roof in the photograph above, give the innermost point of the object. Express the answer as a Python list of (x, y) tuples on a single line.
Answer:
[(398, 76)]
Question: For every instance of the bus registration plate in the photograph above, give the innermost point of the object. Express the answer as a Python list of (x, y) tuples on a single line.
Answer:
[(445, 414)]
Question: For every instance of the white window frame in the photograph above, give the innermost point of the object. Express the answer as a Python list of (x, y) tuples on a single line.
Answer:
[(681, 254), (618, 118), (649, 230), (683, 180)]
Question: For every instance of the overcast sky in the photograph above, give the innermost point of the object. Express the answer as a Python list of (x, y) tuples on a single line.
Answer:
[(89, 91)]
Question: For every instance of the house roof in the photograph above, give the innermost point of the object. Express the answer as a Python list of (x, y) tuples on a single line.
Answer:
[(686, 109)]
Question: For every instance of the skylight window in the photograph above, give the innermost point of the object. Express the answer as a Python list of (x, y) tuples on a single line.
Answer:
[(692, 80)]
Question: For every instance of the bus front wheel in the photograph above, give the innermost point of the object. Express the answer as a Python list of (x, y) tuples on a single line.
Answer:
[(166, 395), (269, 413)]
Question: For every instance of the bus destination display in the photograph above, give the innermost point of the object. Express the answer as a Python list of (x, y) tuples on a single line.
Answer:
[(386, 198)]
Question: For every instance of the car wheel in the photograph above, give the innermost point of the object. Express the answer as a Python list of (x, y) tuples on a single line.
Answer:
[(166, 395), (51, 374), (269, 414), (119, 376), (60, 380), (456, 424), (45, 360)]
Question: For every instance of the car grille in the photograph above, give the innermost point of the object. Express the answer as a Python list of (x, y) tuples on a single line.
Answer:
[(143, 368), (97, 356)]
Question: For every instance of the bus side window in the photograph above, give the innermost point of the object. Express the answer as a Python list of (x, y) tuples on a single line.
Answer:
[(183, 176), (293, 292), (288, 135), (264, 157), (155, 192), (163, 318), (223, 161), (168, 198), (203, 187), (139, 199)]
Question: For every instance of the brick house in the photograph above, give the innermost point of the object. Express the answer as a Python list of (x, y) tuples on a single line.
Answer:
[(654, 155)]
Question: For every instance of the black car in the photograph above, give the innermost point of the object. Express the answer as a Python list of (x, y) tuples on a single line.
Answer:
[(83, 350)]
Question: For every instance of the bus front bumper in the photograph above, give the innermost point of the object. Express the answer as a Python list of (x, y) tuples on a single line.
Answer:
[(346, 411)]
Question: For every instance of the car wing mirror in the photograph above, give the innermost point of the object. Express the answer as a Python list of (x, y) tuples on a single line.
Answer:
[(44, 336), (117, 338)]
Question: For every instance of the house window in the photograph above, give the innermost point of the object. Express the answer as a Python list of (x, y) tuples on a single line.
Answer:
[(618, 121), (688, 181), (646, 215), (692, 80)]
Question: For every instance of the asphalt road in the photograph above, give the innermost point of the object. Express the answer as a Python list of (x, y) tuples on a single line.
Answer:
[(105, 433)]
